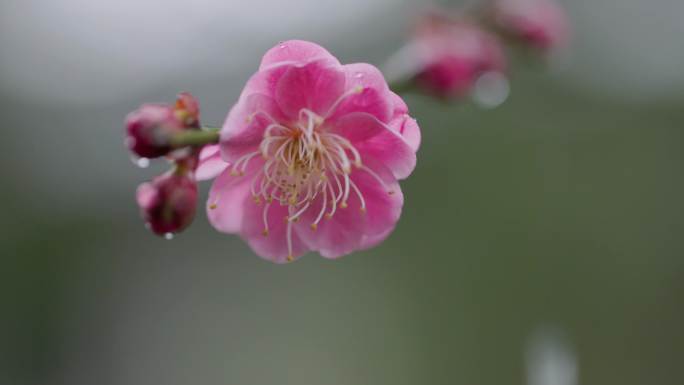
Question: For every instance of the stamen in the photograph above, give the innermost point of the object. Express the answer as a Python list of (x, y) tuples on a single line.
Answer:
[(265, 218), (314, 226), (243, 159), (358, 194), (261, 112), (293, 218), (305, 164)]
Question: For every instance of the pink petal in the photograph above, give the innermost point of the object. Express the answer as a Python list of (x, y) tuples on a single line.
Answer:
[(296, 52), (225, 206), (409, 130), (374, 96), (314, 86), (358, 126), (265, 81), (390, 149), (400, 107), (350, 229), (272, 247), (210, 163), (244, 128)]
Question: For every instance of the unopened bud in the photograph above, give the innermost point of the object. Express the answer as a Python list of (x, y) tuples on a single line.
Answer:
[(168, 202), (150, 128)]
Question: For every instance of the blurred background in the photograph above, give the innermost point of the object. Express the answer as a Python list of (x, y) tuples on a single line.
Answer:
[(541, 241)]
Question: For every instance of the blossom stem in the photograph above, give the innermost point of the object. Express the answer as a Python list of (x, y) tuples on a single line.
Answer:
[(195, 138)]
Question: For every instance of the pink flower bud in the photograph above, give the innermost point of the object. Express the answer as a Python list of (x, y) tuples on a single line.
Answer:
[(168, 203), (451, 54), (150, 128), (540, 24)]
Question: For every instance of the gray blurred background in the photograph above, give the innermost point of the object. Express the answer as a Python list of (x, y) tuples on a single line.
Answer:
[(541, 242)]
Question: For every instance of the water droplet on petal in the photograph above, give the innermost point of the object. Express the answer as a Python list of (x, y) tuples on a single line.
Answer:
[(141, 162), (282, 45), (168, 236)]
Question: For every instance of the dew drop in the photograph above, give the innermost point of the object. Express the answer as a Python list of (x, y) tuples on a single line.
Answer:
[(168, 236), (141, 162)]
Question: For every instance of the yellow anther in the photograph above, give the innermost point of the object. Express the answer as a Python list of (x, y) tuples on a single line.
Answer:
[(363, 210), (213, 206), (344, 205), (358, 89), (328, 216), (314, 226), (265, 233), (290, 258)]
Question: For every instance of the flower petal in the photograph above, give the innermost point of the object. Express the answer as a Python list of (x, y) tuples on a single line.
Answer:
[(367, 91), (390, 149), (210, 163), (314, 86), (225, 206), (409, 130), (274, 245), (351, 229), (296, 52), (358, 126), (244, 128)]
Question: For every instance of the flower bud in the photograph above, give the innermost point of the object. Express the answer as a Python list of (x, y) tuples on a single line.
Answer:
[(168, 202), (150, 128), (539, 24)]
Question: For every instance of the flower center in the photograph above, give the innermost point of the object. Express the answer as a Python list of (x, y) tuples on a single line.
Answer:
[(304, 161)]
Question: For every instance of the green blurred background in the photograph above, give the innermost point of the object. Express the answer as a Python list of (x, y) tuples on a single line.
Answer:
[(541, 241)]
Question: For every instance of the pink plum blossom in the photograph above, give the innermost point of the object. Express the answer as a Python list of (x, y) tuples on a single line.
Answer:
[(316, 150), (541, 24), (451, 54), (447, 55)]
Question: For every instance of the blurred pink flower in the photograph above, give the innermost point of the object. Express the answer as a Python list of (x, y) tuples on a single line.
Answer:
[(448, 55), (315, 151), (541, 24), (168, 203)]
